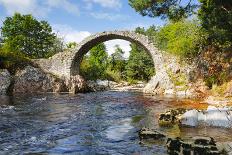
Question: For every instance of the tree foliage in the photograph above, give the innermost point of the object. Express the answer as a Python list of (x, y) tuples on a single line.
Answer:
[(140, 65), (183, 38), (216, 19), (215, 16), (172, 9), (116, 60), (94, 65), (25, 34)]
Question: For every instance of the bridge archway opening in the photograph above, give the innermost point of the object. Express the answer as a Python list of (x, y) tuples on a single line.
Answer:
[(85, 46)]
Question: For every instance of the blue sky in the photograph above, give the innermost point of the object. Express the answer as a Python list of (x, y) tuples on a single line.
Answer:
[(74, 20)]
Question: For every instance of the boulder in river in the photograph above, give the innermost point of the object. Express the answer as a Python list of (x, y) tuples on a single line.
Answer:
[(213, 116), (99, 85), (195, 145), (5, 81), (76, 84), (170, 117), (31, 79), (145, 134)]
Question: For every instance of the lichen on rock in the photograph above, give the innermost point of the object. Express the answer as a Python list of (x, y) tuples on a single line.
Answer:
[(31, 80), (5, 81)]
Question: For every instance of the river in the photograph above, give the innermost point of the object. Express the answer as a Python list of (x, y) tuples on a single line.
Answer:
[(93, 123)]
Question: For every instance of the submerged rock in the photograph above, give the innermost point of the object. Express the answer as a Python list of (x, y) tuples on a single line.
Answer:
[(5, 81), (152, 134), (198, 145), (195, 145)]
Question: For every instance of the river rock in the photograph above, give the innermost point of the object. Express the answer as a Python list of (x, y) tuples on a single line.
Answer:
[(145, 134), (225, 147), (97, 85), (76, 84), (5, 81), (195, 145), (32, 79), (170, 117), (190, 118), (213, 116)]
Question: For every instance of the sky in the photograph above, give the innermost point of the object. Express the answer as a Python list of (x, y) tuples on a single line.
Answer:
[(75, 20)]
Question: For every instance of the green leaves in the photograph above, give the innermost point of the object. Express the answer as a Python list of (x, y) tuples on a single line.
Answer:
[(216, 19), (94, 65), (183, 38), (25, 34), (171, 9), (140, 65)]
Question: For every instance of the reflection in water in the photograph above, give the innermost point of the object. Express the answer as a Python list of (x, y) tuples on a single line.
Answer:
[(118, 131), (102, 122)]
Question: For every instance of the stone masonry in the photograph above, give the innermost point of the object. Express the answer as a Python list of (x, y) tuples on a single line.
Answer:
[(66, 64)]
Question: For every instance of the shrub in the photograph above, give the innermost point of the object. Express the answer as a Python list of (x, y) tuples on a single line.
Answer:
[(13, 60), (182, 38)]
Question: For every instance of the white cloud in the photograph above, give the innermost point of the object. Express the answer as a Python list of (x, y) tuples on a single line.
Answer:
[(106, 3), (124, 45), (64, 4), (108, 16), (70, 34), (24, 7), (38, 8)]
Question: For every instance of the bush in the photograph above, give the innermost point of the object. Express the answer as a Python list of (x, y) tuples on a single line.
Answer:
[(183, 38), (13, 60)]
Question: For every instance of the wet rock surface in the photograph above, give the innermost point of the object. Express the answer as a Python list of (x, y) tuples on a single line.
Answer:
[(195, 146), (213, 116), (5, 81), (76, 84), (188, 146), (170, 117), (149, 134), (98, 85)]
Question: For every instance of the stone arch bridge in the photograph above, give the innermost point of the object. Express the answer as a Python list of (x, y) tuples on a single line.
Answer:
[(66, 64)]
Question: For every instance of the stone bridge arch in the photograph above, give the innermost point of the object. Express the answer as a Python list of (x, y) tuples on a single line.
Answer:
[(130, 36), (66, 65)]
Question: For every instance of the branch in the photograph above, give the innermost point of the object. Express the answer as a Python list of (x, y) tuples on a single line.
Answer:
[(225, 9)]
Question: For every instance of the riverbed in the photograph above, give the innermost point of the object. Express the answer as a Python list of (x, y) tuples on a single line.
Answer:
[(93, 123)]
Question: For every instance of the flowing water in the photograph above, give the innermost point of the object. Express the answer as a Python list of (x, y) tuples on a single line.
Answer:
[(93, 123)]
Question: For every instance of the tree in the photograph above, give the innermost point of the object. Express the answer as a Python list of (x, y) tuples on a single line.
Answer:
[(215, 16), (93, 67), (117, 60), (1, 42), (216, 19), (116, 65), (172, 9), (31, 37), (140, 65)]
